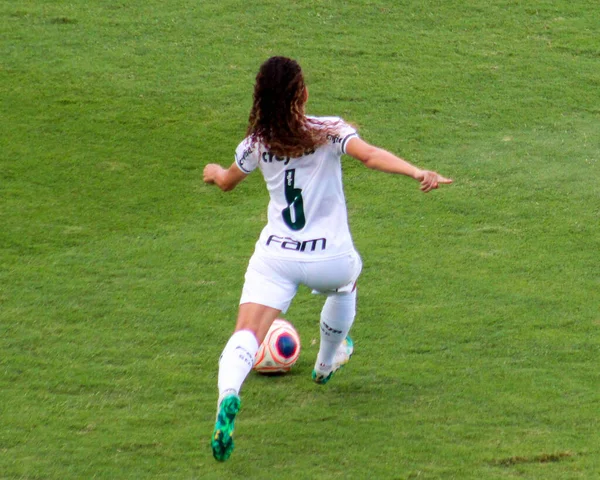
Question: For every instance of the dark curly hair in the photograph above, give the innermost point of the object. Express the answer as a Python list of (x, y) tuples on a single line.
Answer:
[(277, 118)]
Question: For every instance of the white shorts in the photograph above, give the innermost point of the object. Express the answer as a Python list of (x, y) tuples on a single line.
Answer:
[(274, 282)]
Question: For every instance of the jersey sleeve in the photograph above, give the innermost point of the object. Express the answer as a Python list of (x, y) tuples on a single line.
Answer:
[(344, 132), (246, 156)]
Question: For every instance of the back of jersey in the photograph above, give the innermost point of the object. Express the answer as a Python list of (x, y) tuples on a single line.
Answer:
[(307, 217)]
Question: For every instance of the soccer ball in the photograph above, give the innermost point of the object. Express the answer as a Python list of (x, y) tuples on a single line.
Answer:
[(279, 350)]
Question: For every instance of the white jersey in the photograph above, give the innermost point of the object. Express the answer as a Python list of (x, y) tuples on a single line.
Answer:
[(307, 217)]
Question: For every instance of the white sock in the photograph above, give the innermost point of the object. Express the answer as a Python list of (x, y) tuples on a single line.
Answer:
[(337, 317), (236, 362)]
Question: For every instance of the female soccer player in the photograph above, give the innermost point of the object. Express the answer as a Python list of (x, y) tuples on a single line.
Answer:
[(306, 239)]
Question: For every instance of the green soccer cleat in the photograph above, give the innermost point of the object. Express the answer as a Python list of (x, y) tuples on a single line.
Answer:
[(342, 357), (222, 438), (321, 377)]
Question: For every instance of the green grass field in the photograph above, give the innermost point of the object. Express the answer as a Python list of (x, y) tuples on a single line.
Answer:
[(477, 335)]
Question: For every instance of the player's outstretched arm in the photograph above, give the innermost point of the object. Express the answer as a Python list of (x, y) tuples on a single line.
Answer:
[(225, 179), (384, 161)]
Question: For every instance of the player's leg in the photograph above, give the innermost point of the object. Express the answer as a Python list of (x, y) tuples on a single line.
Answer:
[(235, 364), (337, 279), (335, 348), (238, 355), (266, 293)]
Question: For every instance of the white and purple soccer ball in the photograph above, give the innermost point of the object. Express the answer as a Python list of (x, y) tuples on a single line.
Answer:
[(280, 349)]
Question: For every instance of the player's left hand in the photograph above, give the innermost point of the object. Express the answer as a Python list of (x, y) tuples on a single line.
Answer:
[(431, 180)]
